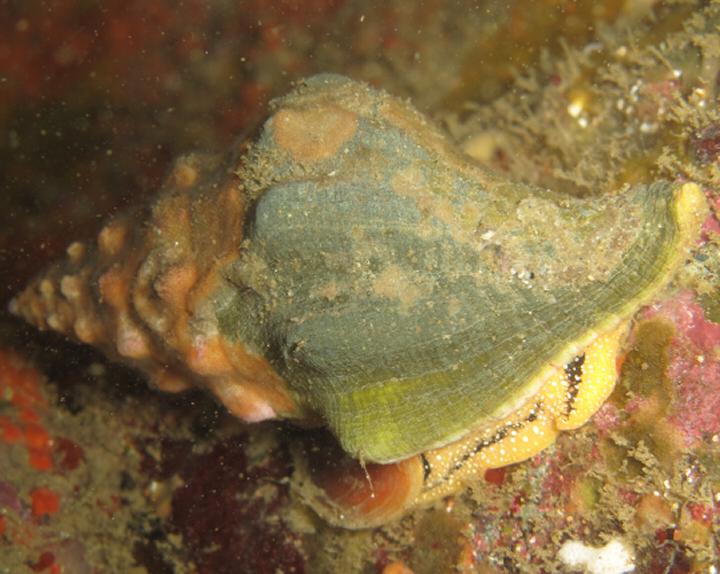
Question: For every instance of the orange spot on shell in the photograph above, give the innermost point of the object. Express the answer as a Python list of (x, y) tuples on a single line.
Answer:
[(114, 287), (71, 287), (174, 285), (131, 341), (172, 217), (170, 382), (313, 134), (184, 173), (86, 329), (242, 400), (257, 376), (112, 238), (76, 251), (207, 357), (234, 200)]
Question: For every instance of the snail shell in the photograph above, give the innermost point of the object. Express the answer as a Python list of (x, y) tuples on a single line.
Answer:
[(355, 270)]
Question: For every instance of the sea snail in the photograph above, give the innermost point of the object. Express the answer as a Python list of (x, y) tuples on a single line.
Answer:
[(356, 271)]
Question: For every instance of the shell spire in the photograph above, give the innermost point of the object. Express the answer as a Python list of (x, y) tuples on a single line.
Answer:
[(143, 292), (356, 271)]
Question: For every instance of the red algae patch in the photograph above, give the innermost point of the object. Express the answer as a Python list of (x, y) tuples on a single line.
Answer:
[(495, 476), (68, 453), (692, 367), (228, 524), (20, 386), (46, 563), (44, 501)]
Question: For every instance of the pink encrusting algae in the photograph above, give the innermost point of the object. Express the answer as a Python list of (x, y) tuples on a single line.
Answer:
[(693, 367)]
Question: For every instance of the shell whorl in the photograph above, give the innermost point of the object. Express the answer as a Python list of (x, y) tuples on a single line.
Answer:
[(355, 269)]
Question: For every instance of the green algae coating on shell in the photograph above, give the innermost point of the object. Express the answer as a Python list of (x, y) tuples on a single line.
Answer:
[(407, 296)]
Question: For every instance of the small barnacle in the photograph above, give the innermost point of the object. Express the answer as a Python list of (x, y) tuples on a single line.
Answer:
[(356, 271)]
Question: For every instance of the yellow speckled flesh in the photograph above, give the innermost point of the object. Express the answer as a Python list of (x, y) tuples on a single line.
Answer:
[(566, 400)]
